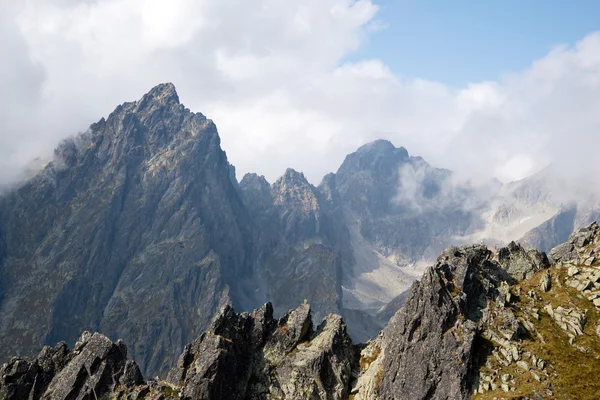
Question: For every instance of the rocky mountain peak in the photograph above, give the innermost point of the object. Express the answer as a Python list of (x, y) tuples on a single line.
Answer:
[(381, 146), (378, 156), (255, 181), (520, 263), (164, 94), (578, 240), (293, 189), (503, 325), (291, 177)]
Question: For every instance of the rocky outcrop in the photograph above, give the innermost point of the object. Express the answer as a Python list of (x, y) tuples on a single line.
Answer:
[(95, 368), (430, 344), (520, 263), (242, 356), (252, 356), (483, 324), (468, 329), (568, 251)]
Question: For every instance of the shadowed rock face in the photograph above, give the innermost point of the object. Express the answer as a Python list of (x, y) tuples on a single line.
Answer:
[(302, 243), (135, 230), (248, 356)]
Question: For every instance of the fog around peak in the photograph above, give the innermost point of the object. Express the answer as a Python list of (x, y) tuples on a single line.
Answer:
[(284, 96)]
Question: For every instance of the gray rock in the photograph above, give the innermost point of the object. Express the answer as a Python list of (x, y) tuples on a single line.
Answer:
[(252, 356), (440, 322), (568, 251), (520, 263), (134, 230), (545, 282), (94, 369)]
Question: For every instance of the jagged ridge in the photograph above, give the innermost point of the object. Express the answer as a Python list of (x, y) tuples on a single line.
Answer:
[(473, 326)]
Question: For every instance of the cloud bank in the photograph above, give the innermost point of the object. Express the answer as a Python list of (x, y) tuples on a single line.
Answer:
[(273, 76)]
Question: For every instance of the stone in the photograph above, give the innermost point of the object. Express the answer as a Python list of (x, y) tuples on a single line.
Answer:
[(573, 283), (585, 286), (520, 263), (523, 365), (545, 282)]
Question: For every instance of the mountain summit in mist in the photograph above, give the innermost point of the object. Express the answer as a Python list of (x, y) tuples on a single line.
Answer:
[(139, 229)]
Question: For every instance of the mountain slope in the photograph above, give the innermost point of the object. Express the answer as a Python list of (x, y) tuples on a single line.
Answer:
[(540, 211)]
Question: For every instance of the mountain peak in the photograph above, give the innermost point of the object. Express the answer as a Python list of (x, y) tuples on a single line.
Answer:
[(293, 175), (382, 146), (164, 93), (252, 180), (378, 156)]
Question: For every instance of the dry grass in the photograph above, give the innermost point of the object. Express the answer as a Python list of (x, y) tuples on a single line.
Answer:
[(573, 373), (367, 360)]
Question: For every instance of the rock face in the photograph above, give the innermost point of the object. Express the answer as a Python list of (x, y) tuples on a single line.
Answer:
[(520, 263), (430, 344), (302, 242), (393, 207), (116, 235), (252, 356), (568, 251), (348, 245)]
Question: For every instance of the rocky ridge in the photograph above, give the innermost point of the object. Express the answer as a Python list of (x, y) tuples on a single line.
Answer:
[(478, 325), (486, 326), (243, 356)]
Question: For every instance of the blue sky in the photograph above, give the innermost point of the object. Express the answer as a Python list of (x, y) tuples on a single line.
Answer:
[(457, 42)]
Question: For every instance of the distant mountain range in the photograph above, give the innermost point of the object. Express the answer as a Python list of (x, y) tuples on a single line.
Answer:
[(139, 228)]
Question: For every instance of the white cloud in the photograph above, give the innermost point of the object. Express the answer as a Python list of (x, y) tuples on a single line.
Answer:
[(273, 76)]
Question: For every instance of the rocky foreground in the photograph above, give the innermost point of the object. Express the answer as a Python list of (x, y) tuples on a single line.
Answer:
[(480, 324)]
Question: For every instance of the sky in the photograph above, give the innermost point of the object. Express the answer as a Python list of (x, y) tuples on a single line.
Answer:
[(487, 89), (460, 42)]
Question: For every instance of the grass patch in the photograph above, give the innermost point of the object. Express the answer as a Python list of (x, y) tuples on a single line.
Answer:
[(367, 360), (573, 373)]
